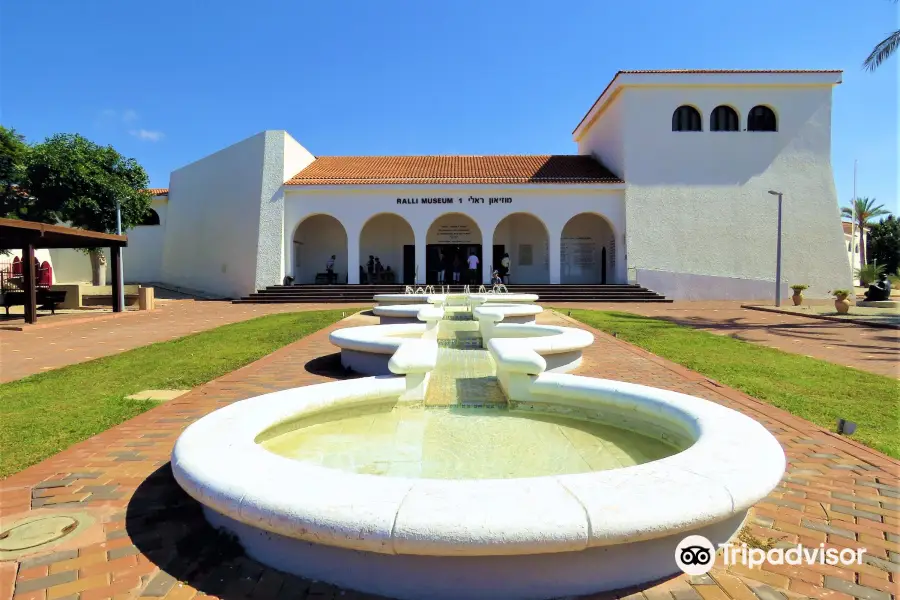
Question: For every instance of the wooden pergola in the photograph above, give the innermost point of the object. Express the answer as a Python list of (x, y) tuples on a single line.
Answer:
[(30, 235)]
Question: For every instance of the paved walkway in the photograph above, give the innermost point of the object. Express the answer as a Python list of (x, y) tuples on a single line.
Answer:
[(866, 348), (24, 353), (150, 539)]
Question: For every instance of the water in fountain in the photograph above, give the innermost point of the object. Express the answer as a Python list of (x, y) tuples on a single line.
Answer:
[(465, 429)]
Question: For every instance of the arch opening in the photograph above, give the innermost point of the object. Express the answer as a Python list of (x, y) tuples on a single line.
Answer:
[(587, 250), (724, 118), (387, 250), (686, 118), (151, 218), (762, 118), (450, 240), (316, 239), (525, 238)]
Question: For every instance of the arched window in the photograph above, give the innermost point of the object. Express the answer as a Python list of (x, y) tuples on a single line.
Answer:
[(724, 118), (686, 118), (761, 118), (151, 218)]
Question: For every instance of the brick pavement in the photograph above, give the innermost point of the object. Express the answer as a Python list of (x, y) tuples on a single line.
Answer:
[(866, 348), (151, 540), (40, 349)]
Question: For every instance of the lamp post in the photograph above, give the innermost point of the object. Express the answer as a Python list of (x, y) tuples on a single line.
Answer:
[(778, 253), (121, 270)]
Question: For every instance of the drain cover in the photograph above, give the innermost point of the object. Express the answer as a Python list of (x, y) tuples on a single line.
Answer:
[(36, 533)]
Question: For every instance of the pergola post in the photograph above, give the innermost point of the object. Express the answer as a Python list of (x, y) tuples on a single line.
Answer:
[(116, 252), (30, 291)]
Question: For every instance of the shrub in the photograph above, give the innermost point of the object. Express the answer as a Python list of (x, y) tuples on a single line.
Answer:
[(894, 279), (869, 274), (799, 287), (840, 294)]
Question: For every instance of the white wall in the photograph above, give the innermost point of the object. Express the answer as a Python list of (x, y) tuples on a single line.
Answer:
[(225, 232), (604, 139), (74, 266), (142, 259), (697, 204), (552, 204), (315, 240), (514, 231)]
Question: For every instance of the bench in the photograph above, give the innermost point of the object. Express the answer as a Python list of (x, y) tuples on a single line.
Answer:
[(46, 299)]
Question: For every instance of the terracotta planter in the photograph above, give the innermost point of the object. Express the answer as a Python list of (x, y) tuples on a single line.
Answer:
[(842, 305), (797, 298)]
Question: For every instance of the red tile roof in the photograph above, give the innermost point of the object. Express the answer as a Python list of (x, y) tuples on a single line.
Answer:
[(381, 170), (732, 71), (159, 191), (848, 226)]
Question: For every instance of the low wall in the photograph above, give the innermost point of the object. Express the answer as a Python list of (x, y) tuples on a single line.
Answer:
[(76, 292)]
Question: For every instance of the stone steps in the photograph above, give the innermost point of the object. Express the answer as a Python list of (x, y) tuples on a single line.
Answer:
[(309, 293)]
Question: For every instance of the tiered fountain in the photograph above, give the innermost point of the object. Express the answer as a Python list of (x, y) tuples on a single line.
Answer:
[(470, 465)]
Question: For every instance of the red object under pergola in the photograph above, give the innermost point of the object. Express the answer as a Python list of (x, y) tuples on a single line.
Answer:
[(30, 235)]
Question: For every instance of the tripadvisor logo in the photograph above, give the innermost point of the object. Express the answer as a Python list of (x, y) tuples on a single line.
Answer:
[(696, 555)]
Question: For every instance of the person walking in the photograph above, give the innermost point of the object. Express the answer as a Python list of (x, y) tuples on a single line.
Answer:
[(473, 267)]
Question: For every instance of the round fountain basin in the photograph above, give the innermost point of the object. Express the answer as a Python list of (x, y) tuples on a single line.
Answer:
[(441, 443), (531, 537)]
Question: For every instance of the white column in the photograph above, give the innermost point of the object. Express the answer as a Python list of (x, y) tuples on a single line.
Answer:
[(420, 256), (353, 253), (554, 249)]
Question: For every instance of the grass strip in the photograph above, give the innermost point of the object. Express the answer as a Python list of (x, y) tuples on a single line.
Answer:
[(815, 390), (45, 413)]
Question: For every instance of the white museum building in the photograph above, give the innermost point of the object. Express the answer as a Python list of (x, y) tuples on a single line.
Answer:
[(669, 188)]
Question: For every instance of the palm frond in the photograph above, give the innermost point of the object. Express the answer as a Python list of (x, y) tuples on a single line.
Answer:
[(883, 51)]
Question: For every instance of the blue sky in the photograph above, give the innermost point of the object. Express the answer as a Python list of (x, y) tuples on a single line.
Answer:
[(170, 81)]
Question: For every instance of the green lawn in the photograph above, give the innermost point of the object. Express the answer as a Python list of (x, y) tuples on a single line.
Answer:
[(46, 413), (813, 389)]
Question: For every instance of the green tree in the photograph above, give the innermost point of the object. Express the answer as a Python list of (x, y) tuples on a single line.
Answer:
[(883, 50), (884, 243), (13, 155), (78, 182), (864, 210)]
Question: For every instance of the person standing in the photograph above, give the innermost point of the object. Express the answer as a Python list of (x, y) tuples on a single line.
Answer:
[(456, 268), (473, 267), (440, 267), (504, 267), (329, 269), (370, 269)]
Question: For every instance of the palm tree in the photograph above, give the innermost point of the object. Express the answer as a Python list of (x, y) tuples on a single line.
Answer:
[(883, 51), (865, 211)]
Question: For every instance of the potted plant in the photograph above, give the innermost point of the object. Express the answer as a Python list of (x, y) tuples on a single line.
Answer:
[(798, 293), (841, 303)]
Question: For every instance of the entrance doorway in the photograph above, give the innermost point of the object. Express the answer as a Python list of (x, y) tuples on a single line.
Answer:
[(441, 255), (409, 264), (453, 235)]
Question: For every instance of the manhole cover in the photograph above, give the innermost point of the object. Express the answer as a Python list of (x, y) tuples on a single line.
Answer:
[(36, 533)]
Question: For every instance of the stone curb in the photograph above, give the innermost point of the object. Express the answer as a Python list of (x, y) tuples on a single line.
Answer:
[(821, 317)]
